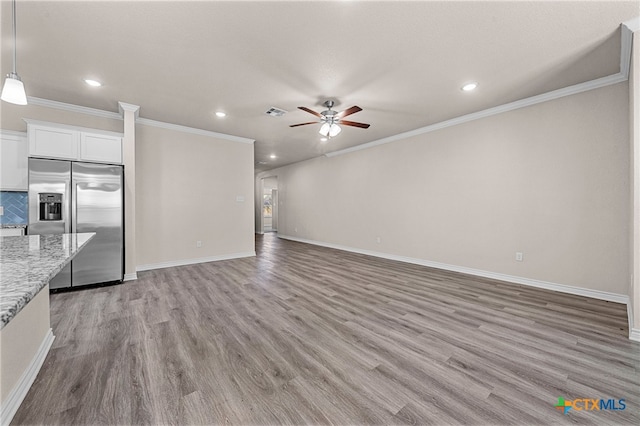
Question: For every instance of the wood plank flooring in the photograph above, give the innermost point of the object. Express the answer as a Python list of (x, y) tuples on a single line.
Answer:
[(309, 335)]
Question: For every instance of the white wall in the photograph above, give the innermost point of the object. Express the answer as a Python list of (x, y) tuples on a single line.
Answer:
[(550, 180), (186, 191)]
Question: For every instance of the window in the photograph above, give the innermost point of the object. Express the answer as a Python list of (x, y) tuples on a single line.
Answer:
[(267, 202)]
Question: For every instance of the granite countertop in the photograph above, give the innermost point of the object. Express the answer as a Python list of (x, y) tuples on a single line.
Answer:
[(13, 225), (28, 263)]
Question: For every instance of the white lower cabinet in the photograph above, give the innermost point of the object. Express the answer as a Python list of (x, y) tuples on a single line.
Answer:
[(11, 232)]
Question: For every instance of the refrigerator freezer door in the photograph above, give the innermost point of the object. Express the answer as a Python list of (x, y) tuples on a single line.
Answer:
[(97, 207), (50, 176)]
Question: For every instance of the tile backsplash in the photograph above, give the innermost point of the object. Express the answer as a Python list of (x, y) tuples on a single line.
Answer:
[(15, 206)]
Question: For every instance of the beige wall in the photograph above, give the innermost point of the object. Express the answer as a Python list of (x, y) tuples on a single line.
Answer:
[(11, 117), (186, 191), (634, 128), (550, 180), (194, 178), (20, 341)]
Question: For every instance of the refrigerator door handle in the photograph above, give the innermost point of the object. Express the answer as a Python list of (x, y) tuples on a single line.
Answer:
[(67, 206), (74, 206)]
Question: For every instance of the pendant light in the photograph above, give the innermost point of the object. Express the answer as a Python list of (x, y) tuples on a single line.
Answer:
[(13, 90)]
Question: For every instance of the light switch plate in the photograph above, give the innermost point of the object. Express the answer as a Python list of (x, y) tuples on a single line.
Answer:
[(240, 198)]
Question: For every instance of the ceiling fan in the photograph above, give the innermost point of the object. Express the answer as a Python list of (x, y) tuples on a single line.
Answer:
[(330, 119)]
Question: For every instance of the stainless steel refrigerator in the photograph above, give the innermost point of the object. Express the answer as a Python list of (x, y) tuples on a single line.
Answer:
[(73, 197)]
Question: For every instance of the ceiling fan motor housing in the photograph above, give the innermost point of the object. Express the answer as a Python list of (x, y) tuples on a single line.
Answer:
[(329, 115)]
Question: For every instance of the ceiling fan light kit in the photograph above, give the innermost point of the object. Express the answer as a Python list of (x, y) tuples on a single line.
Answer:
[(330, 130), (331, 120), (13, 89)]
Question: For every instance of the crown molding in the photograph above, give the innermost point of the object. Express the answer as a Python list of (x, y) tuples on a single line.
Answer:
[(122, 106), (13, 135), (125, 107), (74, 108), (71, 127), (626, 42), (192, 130), (627, 30), (626, 35), (633, 24), (522, 103)]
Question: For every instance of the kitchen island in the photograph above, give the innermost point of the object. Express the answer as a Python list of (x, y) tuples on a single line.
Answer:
[(27, 264)]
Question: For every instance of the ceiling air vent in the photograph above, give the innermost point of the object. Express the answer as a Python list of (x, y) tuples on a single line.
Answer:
[(275, 112)]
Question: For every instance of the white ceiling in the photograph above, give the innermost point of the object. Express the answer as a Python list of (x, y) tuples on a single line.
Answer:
[(402, 62)]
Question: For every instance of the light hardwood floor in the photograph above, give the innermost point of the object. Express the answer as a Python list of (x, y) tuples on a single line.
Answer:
[(309, 335)]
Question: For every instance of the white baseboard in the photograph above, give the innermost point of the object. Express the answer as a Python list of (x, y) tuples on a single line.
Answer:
[(184, 262), (630, 317), (595, 294), (634, 334), (130, 277), (18, 393)]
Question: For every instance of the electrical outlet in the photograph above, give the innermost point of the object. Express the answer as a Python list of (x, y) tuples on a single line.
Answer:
[(378, 240), (295, 230), (519, 256), (198, 243)]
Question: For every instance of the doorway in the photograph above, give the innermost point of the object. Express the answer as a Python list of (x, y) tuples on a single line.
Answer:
[(270, 204)]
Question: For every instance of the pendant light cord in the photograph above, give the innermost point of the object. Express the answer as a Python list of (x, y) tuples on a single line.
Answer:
[(13, 7)]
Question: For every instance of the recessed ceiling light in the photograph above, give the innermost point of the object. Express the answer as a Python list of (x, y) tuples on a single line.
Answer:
[(221, 114), (469, 86), (93, 83), (323, 139), (273, 156)]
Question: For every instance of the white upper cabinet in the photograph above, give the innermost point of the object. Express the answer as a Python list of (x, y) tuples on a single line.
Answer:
[(49, 140), (53, 142), (14, 174), (100, 148)]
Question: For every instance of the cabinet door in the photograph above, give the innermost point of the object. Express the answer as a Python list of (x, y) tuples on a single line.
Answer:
[(51, 142), (100, 148), (11, 232), (14, 173)]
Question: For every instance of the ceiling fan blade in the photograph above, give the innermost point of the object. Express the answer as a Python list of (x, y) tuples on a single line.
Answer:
[(354, 124), (310, 111), (349, 111), (304, 124)]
